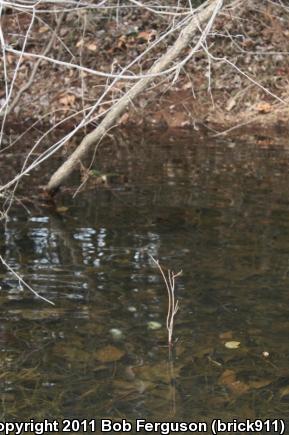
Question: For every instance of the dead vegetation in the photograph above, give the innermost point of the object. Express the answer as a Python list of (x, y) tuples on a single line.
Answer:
[(90, 67), (252, 35)]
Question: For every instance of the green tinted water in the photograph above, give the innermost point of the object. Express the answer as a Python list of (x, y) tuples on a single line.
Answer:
[(217, 210)]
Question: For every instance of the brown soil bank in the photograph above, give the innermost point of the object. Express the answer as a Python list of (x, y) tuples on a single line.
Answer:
[(238, 78), (241, 82)]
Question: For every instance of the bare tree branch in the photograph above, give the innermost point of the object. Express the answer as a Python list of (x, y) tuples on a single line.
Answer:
[(207, 13)]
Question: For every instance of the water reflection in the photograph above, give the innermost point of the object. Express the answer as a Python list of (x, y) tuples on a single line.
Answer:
[(219, 211)]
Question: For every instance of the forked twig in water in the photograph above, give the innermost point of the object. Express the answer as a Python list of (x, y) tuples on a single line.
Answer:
[(173, 304)]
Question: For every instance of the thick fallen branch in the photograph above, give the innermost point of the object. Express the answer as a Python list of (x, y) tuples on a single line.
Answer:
[(206, 14)]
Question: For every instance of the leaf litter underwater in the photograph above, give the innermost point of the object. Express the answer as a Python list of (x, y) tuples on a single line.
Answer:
[(217, 210)]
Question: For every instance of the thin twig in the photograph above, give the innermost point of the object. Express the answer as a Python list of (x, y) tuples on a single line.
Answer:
[(35, 67), (21, 280), (173, 305)]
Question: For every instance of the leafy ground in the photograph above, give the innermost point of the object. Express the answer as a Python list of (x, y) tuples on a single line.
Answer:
[(243, 82)]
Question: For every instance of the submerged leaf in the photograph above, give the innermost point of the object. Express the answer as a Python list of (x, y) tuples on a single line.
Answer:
[(232, 344), (116, 333), (153, 325), (229, 380), (109, 354), (62, 209), (284, 391)]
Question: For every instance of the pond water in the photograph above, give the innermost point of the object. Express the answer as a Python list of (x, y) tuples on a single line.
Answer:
[(216, 209)]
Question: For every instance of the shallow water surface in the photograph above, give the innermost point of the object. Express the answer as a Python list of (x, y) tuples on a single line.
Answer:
[(217, 210)]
